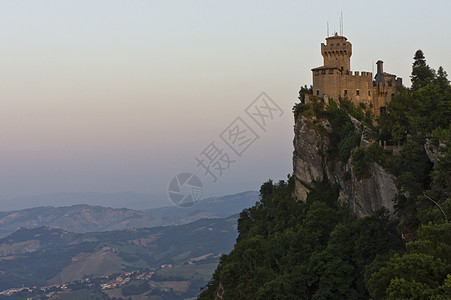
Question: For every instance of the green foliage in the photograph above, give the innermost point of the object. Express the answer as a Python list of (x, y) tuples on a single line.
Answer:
[(393, 121), (411, 118), (420, 110), (376, 153), (362, 157), (420, 273), (359, 163), (431, 108), (305, 91), (413, 160), (324, 191), (422, 74), (440, 187), (343, 137), (292, 250), (412, 168), (347, 106), (300, 108)]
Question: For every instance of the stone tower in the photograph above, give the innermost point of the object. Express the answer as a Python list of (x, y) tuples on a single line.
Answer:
[(337, 53)]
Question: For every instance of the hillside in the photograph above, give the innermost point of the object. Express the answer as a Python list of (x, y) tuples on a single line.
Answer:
[(86, 218), (44, 256), (366, 212)]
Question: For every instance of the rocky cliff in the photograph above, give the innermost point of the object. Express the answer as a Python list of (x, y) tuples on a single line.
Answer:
[(311, 162)]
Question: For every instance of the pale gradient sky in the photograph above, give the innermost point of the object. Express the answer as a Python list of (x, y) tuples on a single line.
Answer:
[(110, 96)]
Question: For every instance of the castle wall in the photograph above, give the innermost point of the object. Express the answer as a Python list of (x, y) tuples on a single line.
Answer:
[(334, 79), (384, 91), (326, 83), (357, 87)]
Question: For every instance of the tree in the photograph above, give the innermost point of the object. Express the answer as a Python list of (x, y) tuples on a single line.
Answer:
[(422, 74), (422, 272), (394, 122), (303, 91)]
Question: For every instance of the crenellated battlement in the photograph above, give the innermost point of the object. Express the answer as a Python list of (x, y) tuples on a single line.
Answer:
[(360, 74), (337, 52), (335, 79), (334, 53)]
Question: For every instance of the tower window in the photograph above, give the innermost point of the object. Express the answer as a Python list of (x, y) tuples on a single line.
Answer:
[(331, 71), (369, 93), (357, 92), (346, 92), (317, 92)]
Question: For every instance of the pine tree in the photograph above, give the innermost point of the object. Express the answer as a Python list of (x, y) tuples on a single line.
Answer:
[(422, 74)]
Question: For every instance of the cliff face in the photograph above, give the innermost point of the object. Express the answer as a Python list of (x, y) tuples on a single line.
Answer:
[(310, 162)]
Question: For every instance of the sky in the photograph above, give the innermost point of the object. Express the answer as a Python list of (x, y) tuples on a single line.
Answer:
[(113, 96)]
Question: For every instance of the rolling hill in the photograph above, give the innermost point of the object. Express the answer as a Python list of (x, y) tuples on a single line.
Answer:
[(85, 218), (43, 256)]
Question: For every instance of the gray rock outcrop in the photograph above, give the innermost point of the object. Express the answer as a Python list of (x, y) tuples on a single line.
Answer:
[(310, 162)]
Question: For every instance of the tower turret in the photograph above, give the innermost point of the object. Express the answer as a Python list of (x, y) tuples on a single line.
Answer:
[(380, 66), (337, 52), (380, 78)]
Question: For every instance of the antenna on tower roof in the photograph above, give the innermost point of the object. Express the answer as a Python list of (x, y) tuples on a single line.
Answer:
[(372, 65), (341, 23), (327, 28)]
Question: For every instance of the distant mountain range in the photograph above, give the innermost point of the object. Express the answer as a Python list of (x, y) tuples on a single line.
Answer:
[(85, 218), (131, 200)]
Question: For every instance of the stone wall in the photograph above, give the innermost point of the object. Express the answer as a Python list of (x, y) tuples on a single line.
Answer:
[(330, 82), (335, 79)]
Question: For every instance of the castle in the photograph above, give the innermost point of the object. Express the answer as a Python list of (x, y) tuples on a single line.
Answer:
[(335, 79)]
